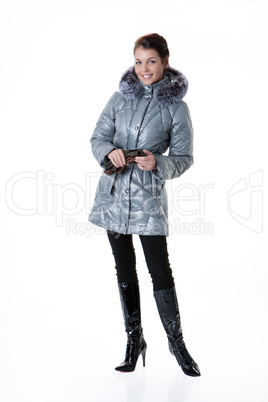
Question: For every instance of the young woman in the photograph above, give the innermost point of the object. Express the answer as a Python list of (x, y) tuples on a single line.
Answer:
[(147, 114)]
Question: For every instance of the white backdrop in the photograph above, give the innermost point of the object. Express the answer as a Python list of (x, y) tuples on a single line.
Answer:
[(61, 325)]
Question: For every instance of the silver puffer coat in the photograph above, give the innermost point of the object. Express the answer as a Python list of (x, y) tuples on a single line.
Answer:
[(152, 117)]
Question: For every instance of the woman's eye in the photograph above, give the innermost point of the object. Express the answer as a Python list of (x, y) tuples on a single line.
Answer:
[(138, 62), (152, 61)]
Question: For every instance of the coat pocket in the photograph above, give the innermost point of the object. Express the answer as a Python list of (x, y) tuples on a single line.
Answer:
[(149, 183), (106, 183), (160, 195), (156, 186), (153, 186)]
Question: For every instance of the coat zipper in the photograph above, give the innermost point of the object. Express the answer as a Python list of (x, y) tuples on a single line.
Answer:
[(133, 165)]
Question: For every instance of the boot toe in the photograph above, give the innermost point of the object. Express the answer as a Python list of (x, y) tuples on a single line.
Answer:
[(125, 368), (192, 371)]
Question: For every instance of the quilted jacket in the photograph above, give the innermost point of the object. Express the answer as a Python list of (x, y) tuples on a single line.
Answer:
[(152, 117)]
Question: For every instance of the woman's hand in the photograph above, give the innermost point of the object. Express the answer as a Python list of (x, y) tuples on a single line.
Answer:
[(146, 162), (117, 158)]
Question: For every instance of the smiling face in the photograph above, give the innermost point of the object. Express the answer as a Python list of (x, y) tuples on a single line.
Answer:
[(149, 66)]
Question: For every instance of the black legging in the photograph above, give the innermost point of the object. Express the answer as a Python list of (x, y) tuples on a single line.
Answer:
[(156, 255)]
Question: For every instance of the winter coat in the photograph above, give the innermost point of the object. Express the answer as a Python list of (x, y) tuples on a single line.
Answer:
[(152, 117)]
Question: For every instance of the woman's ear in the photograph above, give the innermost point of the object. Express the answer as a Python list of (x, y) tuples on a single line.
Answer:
[(166, 63)]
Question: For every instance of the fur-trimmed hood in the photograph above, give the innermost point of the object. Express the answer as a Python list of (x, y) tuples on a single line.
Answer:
[(173, 89)]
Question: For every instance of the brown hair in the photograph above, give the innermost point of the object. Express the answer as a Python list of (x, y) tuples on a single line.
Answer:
[(153, 41)]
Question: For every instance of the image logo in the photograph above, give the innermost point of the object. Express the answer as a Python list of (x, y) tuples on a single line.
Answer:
[(245, 201)]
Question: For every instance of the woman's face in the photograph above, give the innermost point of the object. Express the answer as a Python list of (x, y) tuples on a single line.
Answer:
[(149, 66)]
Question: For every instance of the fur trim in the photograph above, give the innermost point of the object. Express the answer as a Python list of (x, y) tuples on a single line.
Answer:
[(131, 87)]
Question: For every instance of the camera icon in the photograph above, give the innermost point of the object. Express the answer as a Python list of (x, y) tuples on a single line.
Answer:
[(245, 201)]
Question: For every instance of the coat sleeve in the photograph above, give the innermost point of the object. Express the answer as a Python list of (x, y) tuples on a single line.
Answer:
[(180, 156), (102, 137)]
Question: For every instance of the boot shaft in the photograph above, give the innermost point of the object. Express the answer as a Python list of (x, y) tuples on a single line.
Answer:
[(130, 302), (168, 309)]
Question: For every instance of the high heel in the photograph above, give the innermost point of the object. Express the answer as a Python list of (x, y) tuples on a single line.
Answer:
[(133, 352), (167, 304), (144, 355), (136, 345)]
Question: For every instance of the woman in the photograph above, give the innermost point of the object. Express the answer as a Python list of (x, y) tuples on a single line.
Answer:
[(148, 113)]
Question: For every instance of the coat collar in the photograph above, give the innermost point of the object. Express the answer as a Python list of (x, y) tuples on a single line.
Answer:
[(171, 89)]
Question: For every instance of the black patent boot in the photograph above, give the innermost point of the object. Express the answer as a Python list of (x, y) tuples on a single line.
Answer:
[(167, 304), (136, 345)]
